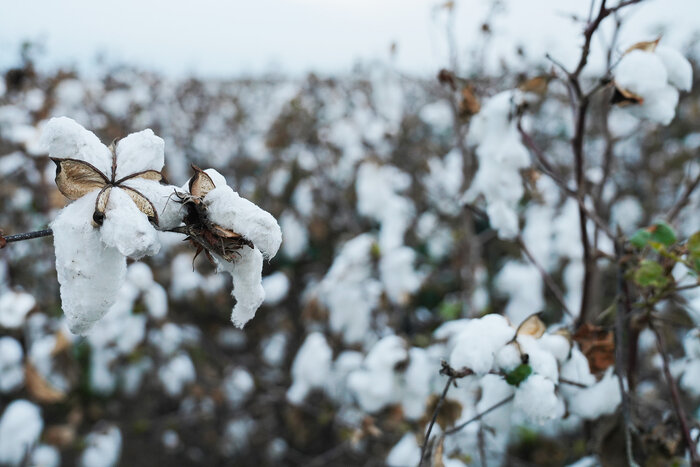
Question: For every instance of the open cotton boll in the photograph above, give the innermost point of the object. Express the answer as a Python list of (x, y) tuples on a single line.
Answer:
[(20, 428), (478, 343), (139, 152), (558, 345), (541, 360), (45, 455), (311, 367), (601, 398), (14, 307), (89, 272), (679, 69), (405, 452), (641, 72), (276, 287), (103, 449), (536, 398), (67, 139), (176, 374), (126, 228), (237, 386), (11, 367), (416, 387), (228, 209), (398, 274), (248, 291), (690, 380), (659, 106)]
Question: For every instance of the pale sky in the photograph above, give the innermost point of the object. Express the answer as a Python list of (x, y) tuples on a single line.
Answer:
[(216, 38)]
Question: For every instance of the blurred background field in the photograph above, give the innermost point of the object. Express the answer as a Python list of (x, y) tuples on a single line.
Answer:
[(363, 141)]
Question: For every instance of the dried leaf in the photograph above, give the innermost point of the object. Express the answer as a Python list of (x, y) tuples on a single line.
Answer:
[(60, 435), (645, 46), (532, 326), (537, 85), (437, 453), (449, 413), (39, 388), (201, 183), (62, 343), (76, 178), (143, 203), (469, 105), (598, 345)]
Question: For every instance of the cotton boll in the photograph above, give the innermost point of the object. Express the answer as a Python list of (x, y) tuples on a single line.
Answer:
[(405, 452), (478, 343), (601, 398), (227, 209), (536, 398), (20, 427), (67, 139), (541, 361), (494, 390), (310, 368), (45, 455), (508, 358), (679, 69), (176, 374), (237, 386), (416, 388), (346, 363), (641, 72), (11, 368), (139, 152), (126, 228), (89, 272), (575, 369), (276, 287), (14, 306), (398, 275), (295, 235), (504, 219), (558, 345), (248, 291), (658, 106), (103, 448), (690, 380)]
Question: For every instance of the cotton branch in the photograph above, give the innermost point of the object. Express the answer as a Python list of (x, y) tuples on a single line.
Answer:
[(4, 240), (675, 397), (479, 416)]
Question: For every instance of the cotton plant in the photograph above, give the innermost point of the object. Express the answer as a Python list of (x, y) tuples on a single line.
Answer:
[(120, 200)]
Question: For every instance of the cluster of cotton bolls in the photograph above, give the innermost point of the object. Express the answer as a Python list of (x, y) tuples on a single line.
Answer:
[(557, 379)]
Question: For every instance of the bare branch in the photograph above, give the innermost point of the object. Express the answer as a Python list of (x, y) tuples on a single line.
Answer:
[(4, 240), (479, 416)]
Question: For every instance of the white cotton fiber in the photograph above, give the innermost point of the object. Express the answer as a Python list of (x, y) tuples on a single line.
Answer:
[(139, 152), (176, 374), (89, 272), (11, 367), (601, 398), (678, 68), (103, 449), (405, 452), (477, 344), (126, 228), (227, 209), (311, 367), (167, 205), (536, 398), (248, 291), (20, 428), (14, 307), (67, 139)]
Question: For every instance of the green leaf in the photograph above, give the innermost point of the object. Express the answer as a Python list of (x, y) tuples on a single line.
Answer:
[(450, 310), (663, 233), (650, 274), (658, 234), (640, 238), (520, 374), (694, 246)]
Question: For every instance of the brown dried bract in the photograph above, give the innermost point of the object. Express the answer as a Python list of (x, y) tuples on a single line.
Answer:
[(40, 389), (532, 326), (598, 345), (469, 105)]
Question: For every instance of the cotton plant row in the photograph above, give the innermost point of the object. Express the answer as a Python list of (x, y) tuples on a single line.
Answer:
[(120, 201)]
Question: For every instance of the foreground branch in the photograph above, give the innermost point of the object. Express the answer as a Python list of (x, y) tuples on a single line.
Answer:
[(4, 240), (480, 416)]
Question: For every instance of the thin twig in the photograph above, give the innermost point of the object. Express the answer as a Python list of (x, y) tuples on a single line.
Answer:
[(479, 416), (553, 287), (624, 309), (4, 240), (683, 200), (432, 421), (675, 396)]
